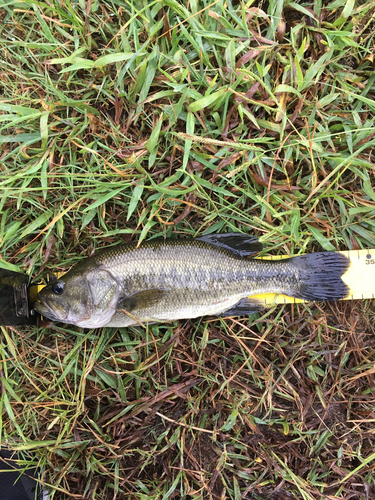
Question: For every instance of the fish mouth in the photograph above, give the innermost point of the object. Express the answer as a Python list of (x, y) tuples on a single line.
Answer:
[(54, 311)]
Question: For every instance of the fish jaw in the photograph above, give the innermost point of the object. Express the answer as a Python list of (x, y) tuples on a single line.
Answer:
[(54, 312)]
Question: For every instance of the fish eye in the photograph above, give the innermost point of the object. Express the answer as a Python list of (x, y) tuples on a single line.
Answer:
[(58, 288)]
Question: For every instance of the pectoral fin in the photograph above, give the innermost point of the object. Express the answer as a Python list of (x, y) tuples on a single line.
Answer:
[(244, 307), (241, 245), (142, 300)]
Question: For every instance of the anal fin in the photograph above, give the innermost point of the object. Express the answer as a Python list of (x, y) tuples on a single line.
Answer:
[(244, 307)]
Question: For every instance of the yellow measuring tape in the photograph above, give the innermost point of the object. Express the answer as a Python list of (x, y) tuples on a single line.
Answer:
[(360, 278)]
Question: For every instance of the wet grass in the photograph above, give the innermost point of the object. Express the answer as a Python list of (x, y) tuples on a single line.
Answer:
[(125, 121)]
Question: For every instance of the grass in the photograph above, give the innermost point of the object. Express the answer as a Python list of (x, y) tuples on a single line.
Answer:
[(133, 120)]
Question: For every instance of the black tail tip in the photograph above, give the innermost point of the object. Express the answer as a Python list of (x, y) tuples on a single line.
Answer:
[(321, 276)]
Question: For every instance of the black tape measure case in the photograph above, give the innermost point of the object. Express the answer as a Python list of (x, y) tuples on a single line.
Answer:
[(15, 308)]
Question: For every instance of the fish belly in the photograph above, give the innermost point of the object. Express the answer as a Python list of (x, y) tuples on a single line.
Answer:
[(172, 312)]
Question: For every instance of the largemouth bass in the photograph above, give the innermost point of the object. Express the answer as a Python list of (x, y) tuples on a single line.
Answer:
[(166, 280)]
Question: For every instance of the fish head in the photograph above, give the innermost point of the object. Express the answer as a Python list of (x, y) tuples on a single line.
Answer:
[(88, 300)]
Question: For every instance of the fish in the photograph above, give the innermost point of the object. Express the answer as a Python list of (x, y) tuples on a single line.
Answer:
[(163, 280)]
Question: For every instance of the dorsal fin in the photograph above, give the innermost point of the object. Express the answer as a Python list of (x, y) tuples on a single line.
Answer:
[(241, 245)]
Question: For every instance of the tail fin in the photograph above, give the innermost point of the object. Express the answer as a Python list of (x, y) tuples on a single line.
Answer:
[(320, 276)]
